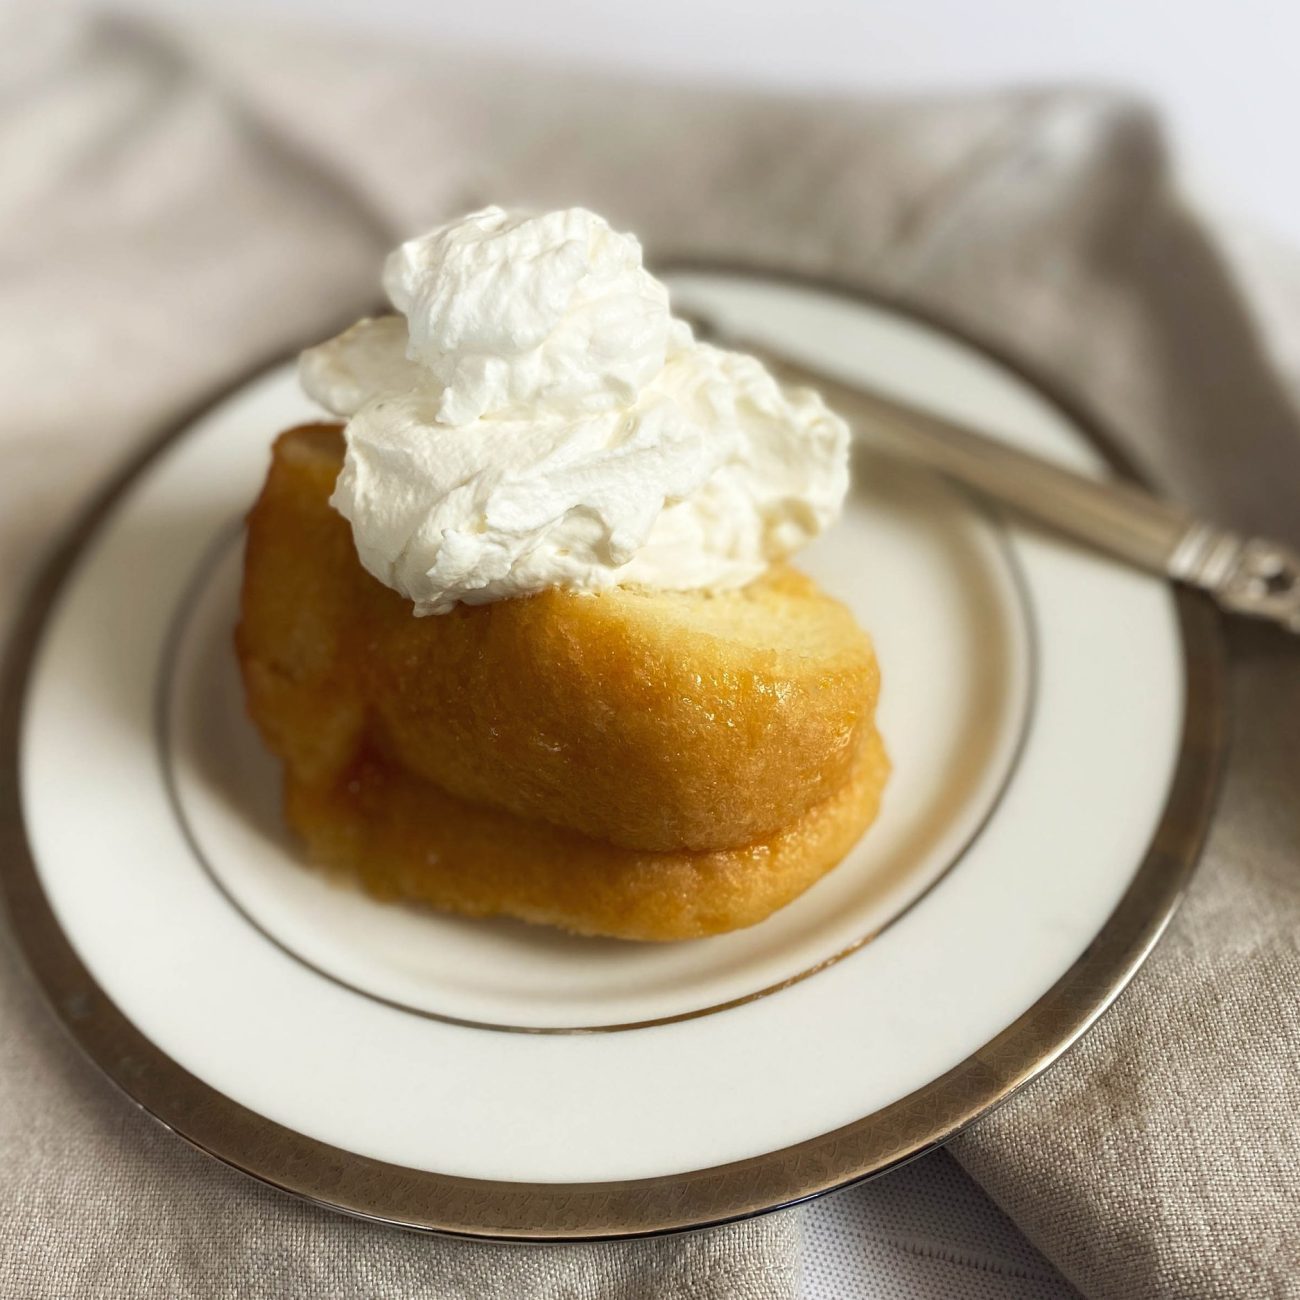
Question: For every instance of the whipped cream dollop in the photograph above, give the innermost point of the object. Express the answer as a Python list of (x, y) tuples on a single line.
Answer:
[(537, 418)]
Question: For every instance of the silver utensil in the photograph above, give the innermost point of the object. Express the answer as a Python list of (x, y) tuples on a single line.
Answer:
[(1244, 575)]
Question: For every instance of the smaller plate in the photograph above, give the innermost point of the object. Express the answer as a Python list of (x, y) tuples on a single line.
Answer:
[(1054, 725)]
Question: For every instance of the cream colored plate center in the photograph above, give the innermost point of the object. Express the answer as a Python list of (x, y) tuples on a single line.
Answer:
[(924, 572)]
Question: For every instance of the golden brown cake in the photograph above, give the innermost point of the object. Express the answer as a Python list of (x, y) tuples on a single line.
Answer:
[(642, 764)]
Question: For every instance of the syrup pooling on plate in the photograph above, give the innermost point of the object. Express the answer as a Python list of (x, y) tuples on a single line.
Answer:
[(537, 418)]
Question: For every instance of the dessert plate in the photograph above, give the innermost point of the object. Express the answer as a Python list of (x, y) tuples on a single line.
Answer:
[(1054, 723)]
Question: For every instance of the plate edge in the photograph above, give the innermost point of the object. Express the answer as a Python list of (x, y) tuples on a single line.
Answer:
[(387, 1193)]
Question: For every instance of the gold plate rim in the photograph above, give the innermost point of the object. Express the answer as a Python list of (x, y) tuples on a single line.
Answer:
[(467, 1207)]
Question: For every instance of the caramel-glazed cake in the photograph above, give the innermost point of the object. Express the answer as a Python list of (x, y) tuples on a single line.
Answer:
[(521, 631), (648, 765)]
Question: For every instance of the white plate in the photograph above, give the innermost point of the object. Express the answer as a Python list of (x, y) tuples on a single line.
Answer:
[(1045, 721)]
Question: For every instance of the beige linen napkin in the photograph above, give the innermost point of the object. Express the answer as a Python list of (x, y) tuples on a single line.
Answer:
[(176, 208)]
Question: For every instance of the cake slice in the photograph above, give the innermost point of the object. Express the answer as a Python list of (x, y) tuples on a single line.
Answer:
[(643, 764)]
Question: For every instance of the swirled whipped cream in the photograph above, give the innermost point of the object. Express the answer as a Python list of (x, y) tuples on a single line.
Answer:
[(537, 418)]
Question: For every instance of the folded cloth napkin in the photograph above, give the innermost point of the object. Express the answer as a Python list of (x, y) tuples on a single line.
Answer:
[(177, 207)]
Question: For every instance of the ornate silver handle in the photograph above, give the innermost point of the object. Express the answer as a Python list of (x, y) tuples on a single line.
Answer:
[(1244, 575), (1247, 575)]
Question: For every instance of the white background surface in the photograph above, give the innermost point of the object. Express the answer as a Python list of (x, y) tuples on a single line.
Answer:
[(1224, 73)]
